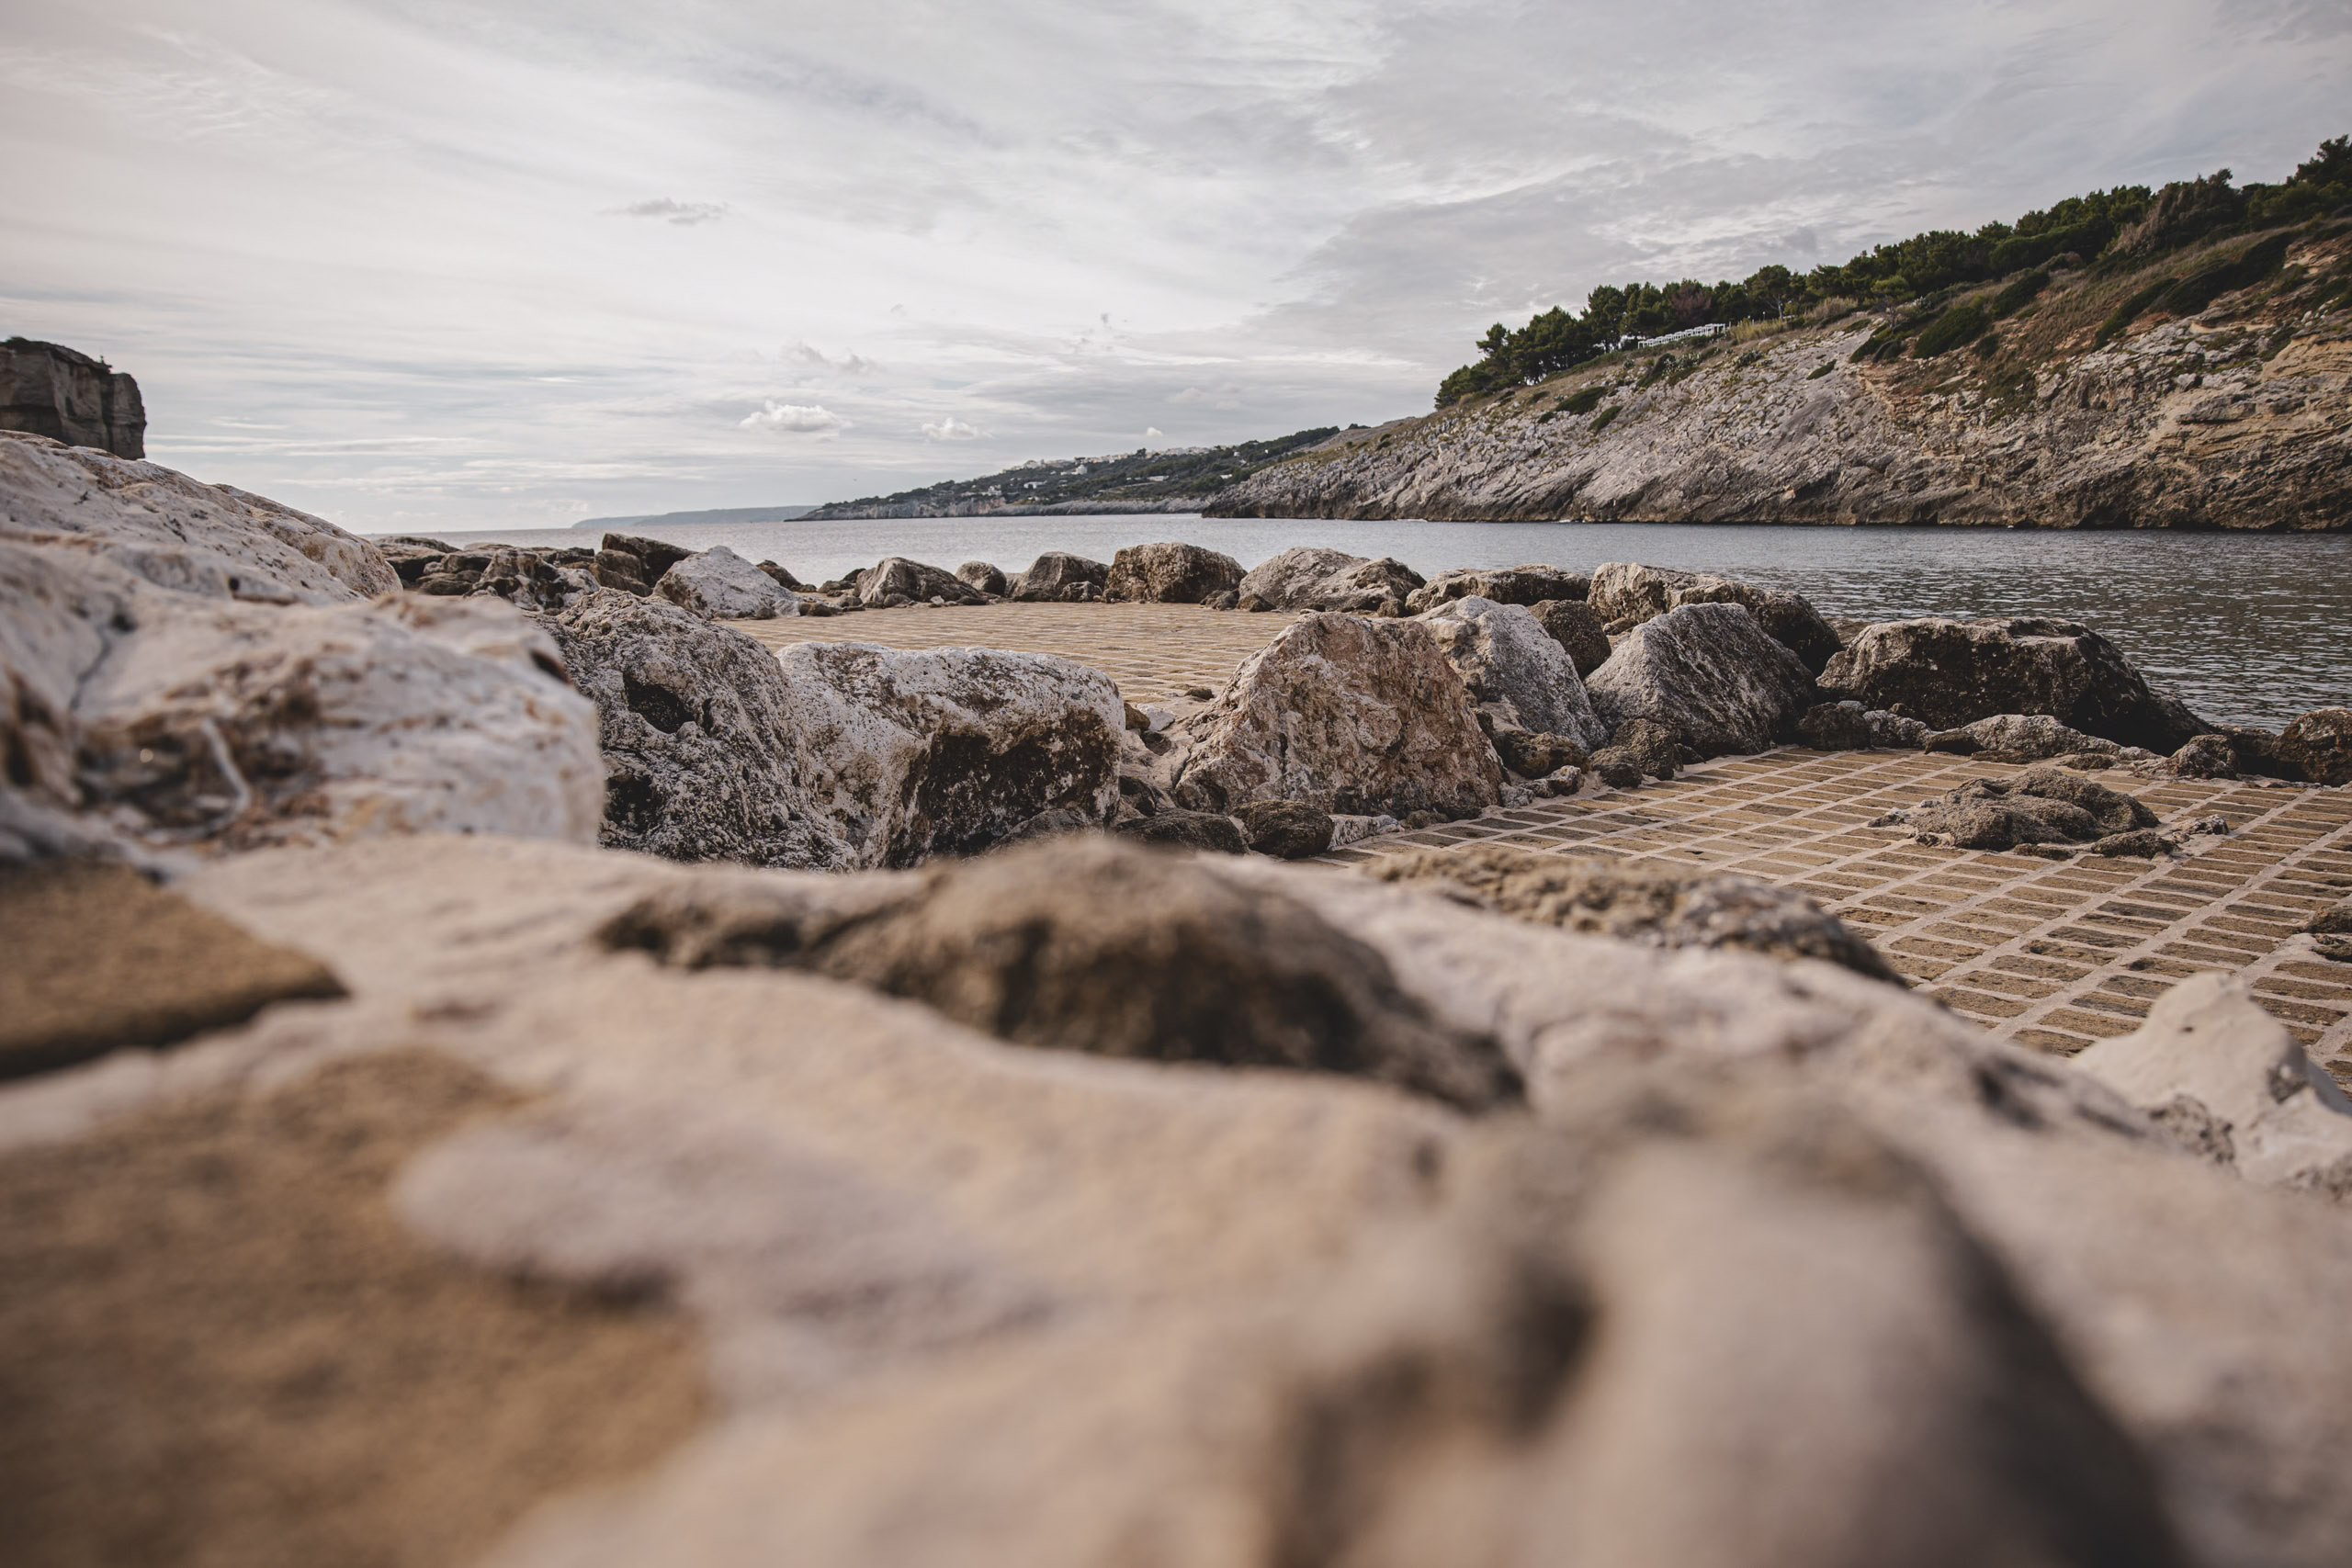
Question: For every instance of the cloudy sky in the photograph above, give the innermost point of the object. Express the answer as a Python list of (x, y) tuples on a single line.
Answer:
[(411, 263)]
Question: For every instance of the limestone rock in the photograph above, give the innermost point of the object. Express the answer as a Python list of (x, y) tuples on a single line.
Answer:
[(1534, 754), (172, 533), (1171, 574), (1528, 585), (2206, 757), (979, 574), (895, 580), (1952, 672), (1625, 593), (1649, 745), (1306, 577), (1640, 901), (48, 389), (1212, 832), (1631, 592), (908, 754), (719, 585), (2021, 738), (2043, 804), (2320, 745), (1710, 675), (1504, 656), (1058, 577), (2279, 1119), (632, 564), (1849, 727), (1352, 715), (1285, 829), (1572, 624), (698, 727)]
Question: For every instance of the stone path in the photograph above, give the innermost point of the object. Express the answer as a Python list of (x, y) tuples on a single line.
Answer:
[(2050, 954)]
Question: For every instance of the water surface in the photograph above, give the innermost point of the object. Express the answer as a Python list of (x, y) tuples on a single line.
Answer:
[(2250, 629)]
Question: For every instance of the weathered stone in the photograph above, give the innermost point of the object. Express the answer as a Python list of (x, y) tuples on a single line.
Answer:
[(1056, 577), (48, 389), (699, 730), (1306, 577), (1628, 591), (1504, 656), (719, 585), (1572, 624), (782, 577), (2334, 921), (1847, 726), (1171, 574), (1174, 828), (172, 533), (413, 555), (1533, 754), (2136, 843), (632, 564), (1286, 829), (897, 581), (1710, 675), (2022, 738), (1352, 715), (1528, 585), (979, 574), (1787, 618), (1658, 906), (1649, 745), (2207, 1041), (2206, 757), (2319, 744), (1950, 672), (2044, 804)]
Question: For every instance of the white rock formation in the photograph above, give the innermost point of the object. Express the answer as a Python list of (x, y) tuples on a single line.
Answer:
[(719, 585), (1506, 658)]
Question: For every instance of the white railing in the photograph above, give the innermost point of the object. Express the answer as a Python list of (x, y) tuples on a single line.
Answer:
[(1712, 329)]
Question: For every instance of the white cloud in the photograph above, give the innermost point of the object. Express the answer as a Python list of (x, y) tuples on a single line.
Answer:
[(950, 428), (1153, 433), (796, 419), (686, 213), (808, 357)]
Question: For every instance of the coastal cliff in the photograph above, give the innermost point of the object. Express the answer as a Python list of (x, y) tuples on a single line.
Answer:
[(2090, 406), (48, 389)]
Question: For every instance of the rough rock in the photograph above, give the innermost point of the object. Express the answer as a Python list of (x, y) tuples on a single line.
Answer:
[(1952, 672), (1306, 577), (908, 754), (48, 389), (1649, 745), (1354, 829), (1171, 574), (700, 731), (1176, 828), (979, 574), (1534, 754), (1352, 715), (1285, 829), (1530, 585), (1505, 657), (2319, 744), (632, 564), (895, 580), (2044, 804), (169, 531), (2210, 1058), (1787, 618), (1572, 624), (1849, 727), (1628, 593), (2334, 921), (1056, 577), (2019, 738), (1646, 902), (1710, 675), (2206, 757), (719, 585)]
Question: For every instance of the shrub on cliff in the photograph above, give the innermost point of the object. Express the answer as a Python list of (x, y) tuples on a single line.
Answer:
[(1960, 324)]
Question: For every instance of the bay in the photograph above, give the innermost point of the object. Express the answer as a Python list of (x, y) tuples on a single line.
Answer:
[(2250, 629)]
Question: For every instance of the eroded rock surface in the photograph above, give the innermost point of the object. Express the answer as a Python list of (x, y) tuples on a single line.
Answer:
[(1572, 624), (719, 585), (1058, 577), (1506, 658), (2319, 744), (1849, 727), (895, 580), (1171, 574), (2044, 804), (1710, 675), (1528, 585), (1306, 577), (48, 389)]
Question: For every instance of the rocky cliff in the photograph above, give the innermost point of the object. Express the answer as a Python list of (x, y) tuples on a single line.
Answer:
[(2091, 407), (52, 390)]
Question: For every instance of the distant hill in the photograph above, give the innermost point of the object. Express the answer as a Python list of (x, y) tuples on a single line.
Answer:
[(719, 514), (1173, 480)]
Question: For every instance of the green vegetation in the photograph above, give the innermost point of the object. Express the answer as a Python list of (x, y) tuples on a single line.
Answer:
[(1137, 476), (1606, 414), (1961, 324), (2132, 309), (1585, 401), (2105, 228)]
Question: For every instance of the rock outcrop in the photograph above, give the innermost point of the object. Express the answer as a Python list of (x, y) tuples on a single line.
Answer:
[(1949, 672), (1849, 727), (1626, 594), (981, 575), (2044, 804), (48, 389), (1058, 577), (1306, 577), (897, 581), (1710, 675), (718, 584), (634, 564), (1515, 668), (1528, 585), (1171, 574), (1351, 715)]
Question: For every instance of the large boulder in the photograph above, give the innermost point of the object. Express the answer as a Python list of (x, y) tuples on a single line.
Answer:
[(895, 580), (909, 754), (1171, 574), (1708, 674), (1056, 577), (719, 585), (698, 727), (1526, 585), (1626, 594), (1509, 661), (632, 564), (2319, 745), (983, 576), (1352, 715), (1572, 624), (166, 529), (1949, 672), (1306, 577)]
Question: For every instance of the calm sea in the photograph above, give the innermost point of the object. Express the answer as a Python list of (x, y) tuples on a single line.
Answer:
[(2250, 629)]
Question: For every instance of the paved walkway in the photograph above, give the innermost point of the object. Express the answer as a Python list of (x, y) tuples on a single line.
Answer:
[(2051, 954)]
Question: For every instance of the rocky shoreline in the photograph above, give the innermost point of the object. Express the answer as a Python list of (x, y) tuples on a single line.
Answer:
[(519, 1073)]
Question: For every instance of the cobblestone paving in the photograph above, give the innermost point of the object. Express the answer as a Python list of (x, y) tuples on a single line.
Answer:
[(2050, 954)]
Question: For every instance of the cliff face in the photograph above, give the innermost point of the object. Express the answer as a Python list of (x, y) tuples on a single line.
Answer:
[(52, 390), (2237, 417)]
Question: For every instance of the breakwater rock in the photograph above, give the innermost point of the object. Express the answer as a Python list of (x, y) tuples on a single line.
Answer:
[(2237, 416)]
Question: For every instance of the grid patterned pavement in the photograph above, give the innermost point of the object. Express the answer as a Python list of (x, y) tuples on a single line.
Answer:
[(2050, 954)]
